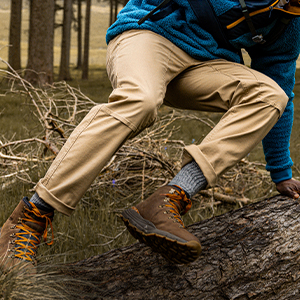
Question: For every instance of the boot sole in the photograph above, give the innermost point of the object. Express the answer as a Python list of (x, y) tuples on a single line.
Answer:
[(171, 247)]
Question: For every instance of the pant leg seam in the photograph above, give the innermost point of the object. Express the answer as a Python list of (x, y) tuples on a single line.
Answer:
[(68, 149), (118, 117)]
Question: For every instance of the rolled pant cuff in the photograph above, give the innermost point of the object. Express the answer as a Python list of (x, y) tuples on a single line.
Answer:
[(50, 199), (193, 152)]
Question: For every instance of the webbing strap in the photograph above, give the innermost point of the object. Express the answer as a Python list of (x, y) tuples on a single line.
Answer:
[(152, 12), (257, 38), (277, 30), (209, 22)]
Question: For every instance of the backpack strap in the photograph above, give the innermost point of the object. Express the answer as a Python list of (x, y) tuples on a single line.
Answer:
[(274, 34), (152, 12), (210, 22), (257, 38), (204, 12), (277, 31)]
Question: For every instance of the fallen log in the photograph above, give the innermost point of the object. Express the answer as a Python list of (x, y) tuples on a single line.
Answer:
[(249, 253)]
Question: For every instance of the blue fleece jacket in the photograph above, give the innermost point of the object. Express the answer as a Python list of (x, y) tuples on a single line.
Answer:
[(277, 60)]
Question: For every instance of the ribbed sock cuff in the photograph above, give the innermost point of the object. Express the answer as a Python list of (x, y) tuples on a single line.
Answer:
[(190, 178), (40, 203)]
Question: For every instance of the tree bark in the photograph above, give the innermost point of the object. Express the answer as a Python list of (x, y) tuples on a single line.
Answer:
[(40, 46), (79, 35), (111, 12), (116, 4), (249, 253), (14, 52), (85, 65), (64, 70)]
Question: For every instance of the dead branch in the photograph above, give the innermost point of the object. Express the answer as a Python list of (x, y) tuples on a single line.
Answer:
[(224, 198)]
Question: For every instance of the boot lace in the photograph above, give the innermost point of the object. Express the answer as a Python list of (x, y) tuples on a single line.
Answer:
[(28, 239), (179, 204)]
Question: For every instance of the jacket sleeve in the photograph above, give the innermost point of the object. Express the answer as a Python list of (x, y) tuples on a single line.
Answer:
[(278, 61)]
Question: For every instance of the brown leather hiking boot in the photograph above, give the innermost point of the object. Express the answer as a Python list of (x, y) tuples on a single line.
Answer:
[(157, 223), (21, 234)]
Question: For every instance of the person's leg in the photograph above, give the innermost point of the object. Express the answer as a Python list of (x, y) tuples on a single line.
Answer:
[(140, 66), (252, 104)]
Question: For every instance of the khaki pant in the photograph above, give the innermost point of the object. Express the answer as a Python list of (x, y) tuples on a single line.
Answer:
[(145, 70)]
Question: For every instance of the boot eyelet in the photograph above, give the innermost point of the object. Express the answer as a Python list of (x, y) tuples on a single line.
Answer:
[(13, 227), (13, 235), (166, 200)]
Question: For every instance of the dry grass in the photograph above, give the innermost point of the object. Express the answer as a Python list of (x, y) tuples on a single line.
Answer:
[(49, 283)]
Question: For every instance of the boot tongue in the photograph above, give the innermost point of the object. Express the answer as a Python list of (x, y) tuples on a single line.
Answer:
[(27, 203), (37, 226), (183, 203), (180, 190)]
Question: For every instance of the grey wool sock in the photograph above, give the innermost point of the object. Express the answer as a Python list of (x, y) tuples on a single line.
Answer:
[(190, 178), (40, 203)]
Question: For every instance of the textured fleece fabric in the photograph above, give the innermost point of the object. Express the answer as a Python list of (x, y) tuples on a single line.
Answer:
[(277, 61)]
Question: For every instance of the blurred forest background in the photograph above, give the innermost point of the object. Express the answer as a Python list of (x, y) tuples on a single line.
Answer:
[(41, 35)]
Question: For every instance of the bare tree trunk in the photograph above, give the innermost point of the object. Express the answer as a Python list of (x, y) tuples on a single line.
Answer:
[(116, 10), (114, 4), (64, 70), (250, 253), (14, 52), (79, 35), (85, 65), (40, 47), (111, 10)]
